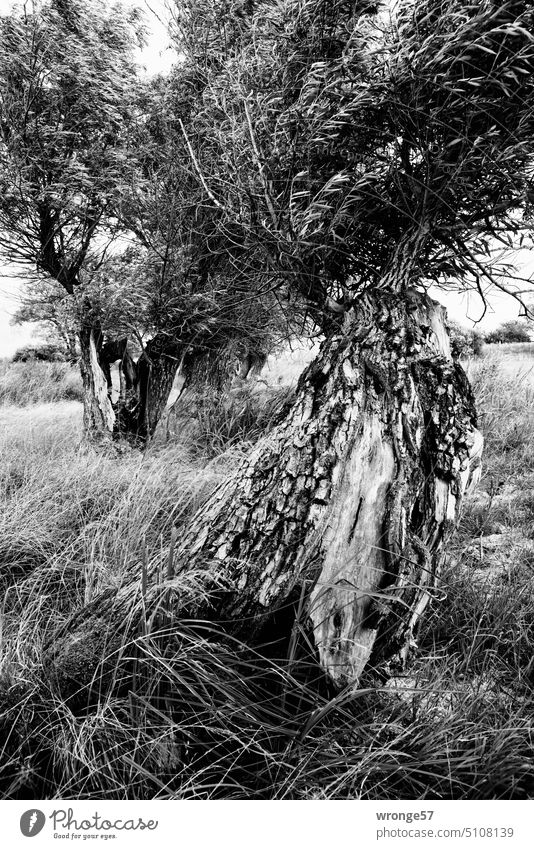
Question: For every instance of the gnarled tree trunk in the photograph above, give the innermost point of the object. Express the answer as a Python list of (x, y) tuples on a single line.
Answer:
[(144, 390), (344, 505), (98, 413), (145, 387), (156, 370)]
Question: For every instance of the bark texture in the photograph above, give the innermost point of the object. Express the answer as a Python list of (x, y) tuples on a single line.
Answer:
[(145, 385), (98, 413), (145, 388), (344, 505)]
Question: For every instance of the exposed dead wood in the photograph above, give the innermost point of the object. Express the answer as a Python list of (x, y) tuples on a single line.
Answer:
[(98, 412)]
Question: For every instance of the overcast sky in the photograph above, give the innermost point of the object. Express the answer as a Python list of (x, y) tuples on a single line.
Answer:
[(158, 57)]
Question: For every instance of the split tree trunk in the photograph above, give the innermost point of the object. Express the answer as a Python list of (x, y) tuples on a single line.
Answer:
[(145, 388), (98, 413), (156, 371), (345, 505), (145, 385)]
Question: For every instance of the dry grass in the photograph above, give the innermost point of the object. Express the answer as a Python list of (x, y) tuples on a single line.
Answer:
[(204, 717), (212, 422), (22, 384), (65, 500)]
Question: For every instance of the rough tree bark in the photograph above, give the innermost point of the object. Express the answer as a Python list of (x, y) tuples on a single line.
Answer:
[(98, 413), (145, 385), (344, 505), (156, 370)]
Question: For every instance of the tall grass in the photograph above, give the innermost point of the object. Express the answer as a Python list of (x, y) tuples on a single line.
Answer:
[(33, 382), (191, 713), (210, 422)]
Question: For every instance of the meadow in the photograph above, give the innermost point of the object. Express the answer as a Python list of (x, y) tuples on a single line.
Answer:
[(200, 716)]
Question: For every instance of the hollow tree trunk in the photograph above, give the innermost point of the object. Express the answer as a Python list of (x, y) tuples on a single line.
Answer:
[(344, 505), (145, 387), (156, 371)]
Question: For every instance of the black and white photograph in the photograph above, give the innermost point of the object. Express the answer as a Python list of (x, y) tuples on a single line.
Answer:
[(266, 409)]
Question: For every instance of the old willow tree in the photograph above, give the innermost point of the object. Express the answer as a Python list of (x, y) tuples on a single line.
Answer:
[(368, 156), (67, 79)]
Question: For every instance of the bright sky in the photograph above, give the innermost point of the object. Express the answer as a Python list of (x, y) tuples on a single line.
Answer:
[(157, 56)]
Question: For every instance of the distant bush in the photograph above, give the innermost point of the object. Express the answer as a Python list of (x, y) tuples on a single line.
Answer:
[(45, 352), (465, 342), (509, 331), (37, 382)]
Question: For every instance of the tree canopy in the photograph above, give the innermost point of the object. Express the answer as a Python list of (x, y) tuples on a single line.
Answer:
[(360, 147), (67, 78), (299, 154), (186, 282), (45, 302)]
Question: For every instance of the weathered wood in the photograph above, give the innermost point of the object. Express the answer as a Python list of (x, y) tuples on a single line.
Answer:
[(347, 502), (144, 389), (156, 370), (98, 412)]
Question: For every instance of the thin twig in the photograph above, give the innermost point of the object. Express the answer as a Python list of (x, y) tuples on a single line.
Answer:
[(197, 168)]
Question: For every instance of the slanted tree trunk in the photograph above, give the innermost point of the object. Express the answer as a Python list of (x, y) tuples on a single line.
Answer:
[(344, 505)]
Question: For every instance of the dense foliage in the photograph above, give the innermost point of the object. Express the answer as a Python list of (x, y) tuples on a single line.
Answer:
[(46, 352), (358, 147), (465, 341), (67, 78), (46, 303)]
